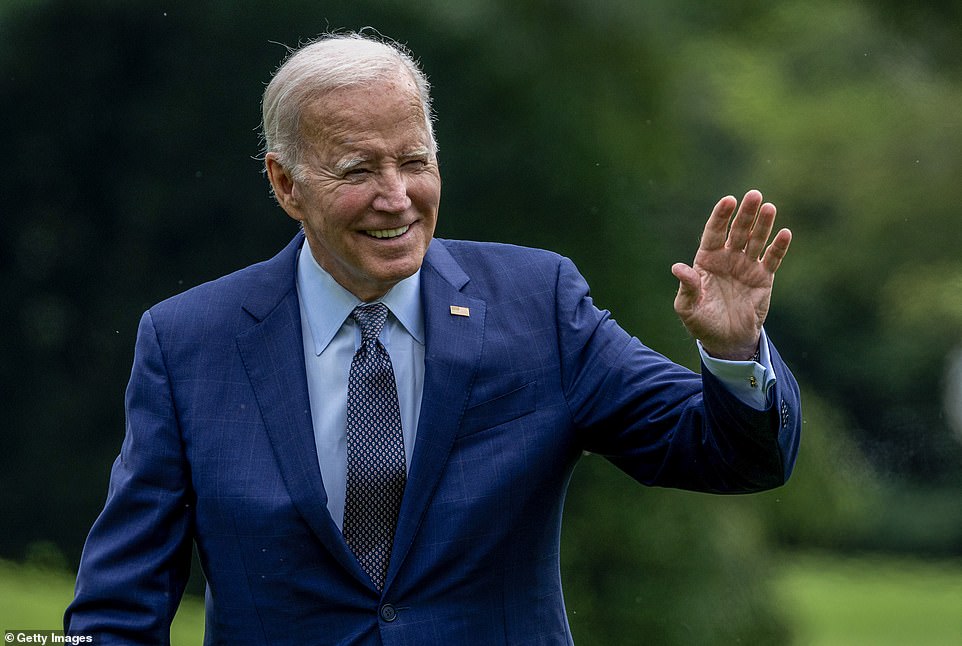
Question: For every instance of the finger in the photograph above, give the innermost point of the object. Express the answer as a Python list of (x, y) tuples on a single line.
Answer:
[(777, 250), (760, 232), (744, 219), (717, 226)]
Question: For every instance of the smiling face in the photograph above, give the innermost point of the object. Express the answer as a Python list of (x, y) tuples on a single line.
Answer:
[(368, 187)]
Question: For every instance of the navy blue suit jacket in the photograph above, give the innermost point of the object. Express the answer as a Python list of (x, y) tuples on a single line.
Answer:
[(219, 450)]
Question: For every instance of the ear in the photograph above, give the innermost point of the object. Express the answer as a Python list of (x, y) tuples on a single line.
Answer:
[(284, 185)]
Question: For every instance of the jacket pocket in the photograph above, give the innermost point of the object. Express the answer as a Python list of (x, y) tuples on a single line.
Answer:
[(498, 410)]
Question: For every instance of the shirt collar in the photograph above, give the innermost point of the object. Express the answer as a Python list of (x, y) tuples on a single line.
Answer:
[(327, 304)]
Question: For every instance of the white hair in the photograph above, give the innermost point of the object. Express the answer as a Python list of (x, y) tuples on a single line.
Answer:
[(330, 62)]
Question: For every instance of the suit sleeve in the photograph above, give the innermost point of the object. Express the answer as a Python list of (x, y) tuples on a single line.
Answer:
[(659, 422), (137, 557)]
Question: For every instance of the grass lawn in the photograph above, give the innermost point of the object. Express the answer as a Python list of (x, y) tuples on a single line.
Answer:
[(831, 601), (34, 599), (872, 601)]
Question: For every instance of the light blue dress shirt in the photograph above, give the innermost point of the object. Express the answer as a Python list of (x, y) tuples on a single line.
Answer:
[(331, 337)]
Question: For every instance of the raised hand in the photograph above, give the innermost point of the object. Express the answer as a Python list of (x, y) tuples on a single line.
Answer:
[(724, 296)]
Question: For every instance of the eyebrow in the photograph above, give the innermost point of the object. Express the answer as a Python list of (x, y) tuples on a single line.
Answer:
[(417, 152), (349, 164)]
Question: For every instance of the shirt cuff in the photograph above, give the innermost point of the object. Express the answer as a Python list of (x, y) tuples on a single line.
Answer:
[(749, 381)]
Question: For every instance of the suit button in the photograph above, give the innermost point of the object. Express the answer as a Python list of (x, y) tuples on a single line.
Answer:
[(388, 613)]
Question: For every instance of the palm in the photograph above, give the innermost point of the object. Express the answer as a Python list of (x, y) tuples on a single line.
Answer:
[(723, 297)]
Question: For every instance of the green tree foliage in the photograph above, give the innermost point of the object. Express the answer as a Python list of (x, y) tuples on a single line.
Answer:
[(605, 132), (664, 567)]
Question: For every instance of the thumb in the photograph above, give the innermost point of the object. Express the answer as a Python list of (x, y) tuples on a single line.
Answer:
[(689, 281), (689, 286)]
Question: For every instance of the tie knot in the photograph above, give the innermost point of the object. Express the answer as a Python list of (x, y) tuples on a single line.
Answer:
[(371, 319)]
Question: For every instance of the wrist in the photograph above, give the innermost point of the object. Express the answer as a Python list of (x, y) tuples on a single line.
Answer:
[(752, 354)]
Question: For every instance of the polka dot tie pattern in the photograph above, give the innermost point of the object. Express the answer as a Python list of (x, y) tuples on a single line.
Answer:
[(376, 471)]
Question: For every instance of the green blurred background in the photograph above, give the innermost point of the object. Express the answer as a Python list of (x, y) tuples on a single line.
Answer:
[(605, 131)]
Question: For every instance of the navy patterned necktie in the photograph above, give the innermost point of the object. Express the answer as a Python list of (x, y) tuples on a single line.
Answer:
[(376, 472)]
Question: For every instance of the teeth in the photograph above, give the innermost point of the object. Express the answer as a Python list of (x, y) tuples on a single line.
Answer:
[(388, 233)]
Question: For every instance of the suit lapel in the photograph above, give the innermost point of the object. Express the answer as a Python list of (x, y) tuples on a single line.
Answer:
[(273, 355), (451, 359)]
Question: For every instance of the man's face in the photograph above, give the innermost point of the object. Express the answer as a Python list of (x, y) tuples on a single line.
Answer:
[(369, 193)]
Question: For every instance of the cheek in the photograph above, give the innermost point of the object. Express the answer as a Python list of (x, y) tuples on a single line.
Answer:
[(340, 211), (354, 199), (426, 192)]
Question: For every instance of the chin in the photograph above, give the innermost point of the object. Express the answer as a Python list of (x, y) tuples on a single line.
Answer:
[(397, 274)]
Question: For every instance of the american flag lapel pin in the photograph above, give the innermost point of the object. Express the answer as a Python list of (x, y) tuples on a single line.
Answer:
[(457, 310)]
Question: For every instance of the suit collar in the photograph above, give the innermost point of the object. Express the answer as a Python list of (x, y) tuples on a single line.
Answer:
[(439, 260), (273, 280)]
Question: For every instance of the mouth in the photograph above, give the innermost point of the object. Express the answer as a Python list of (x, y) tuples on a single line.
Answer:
[(386, 234)]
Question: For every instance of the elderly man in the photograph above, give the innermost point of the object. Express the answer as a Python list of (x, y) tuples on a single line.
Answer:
[(369, 436)]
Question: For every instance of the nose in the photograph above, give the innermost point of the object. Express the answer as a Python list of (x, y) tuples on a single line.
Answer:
[(392, 193)]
